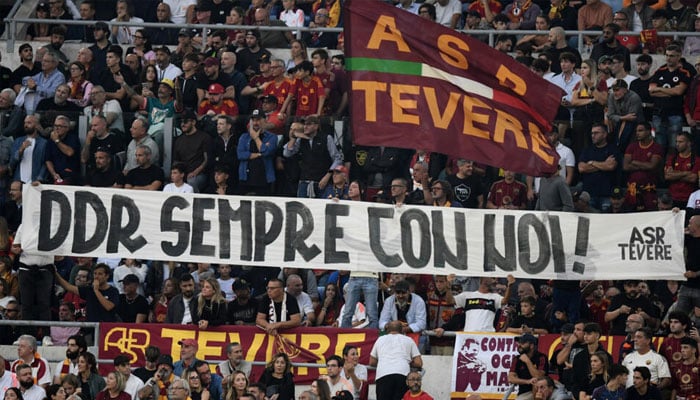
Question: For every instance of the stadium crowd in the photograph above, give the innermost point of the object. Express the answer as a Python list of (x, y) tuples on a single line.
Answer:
[(251, 123)]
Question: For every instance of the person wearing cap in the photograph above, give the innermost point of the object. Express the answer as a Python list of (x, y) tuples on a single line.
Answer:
[(212, 75), (682, 170), (273, 122), (244, 308), (215, 104), (529, 366), (405, 307), (617, 201), (157, 387), (685, 379), (184, 47), (248, 57), (217, 43), (254, 89), (164, 68), (307, 93), (627, 303), (192, 150), (624, 112), (133, 384), (188, 356), (618, 71), (338, 189), (317, 155), (132, 267), (256, 154)]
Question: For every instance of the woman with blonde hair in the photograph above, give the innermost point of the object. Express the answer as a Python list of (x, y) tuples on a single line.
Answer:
[(297, 48), (600, 364), (209, 307), (590, 96), (114, 388), (237, 385), (197, 390)]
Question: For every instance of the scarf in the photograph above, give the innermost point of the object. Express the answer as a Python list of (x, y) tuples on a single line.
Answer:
[(163, 387), (516, 13), (272, 314), (555, 12)]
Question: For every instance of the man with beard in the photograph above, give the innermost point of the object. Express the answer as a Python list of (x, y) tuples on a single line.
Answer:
[(671, 348), (211, 382), (164, 68), (27, 67), (157, 386), (58, 104), (406, 307), (179, 306), (29, 390), (415, 392), (28, 155), (528, 367), (212, 75), (567, 354), (630, 302), (256, 154), (104, 174), (76, 345), (624, 112), (26, 355), (58, 36), (642, 160), (243, 309), (101, 297)]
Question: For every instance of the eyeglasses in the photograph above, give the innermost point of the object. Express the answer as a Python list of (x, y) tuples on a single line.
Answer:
[(11, 310), (194, 378), (176, 388), (414, 379), (61, 126)]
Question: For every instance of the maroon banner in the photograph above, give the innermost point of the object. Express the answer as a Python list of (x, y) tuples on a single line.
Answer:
[(417, 84), (302, 345)]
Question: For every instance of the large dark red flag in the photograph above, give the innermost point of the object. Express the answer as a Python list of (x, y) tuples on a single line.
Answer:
[(416, 84)]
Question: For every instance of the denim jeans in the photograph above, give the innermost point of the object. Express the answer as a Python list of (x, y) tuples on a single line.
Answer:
[(687, 299), (601, 203), (369, 287), (667, 128), (303, 189)]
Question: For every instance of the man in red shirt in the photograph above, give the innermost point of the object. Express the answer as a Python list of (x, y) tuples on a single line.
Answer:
[(681, 171), (307, 91), (413, 381), (508, 193), (215, 104), (642, 160)]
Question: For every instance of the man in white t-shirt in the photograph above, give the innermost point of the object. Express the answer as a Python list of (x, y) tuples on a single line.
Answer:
[(480, 309), (181, 11), (448, 12), (133, 383), (295, 288), (394, 354), (177, 180)]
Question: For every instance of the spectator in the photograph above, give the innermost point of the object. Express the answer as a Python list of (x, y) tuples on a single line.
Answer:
[(295, 288), (29, 153), (142, 48), (212, 75), (58, 36), (682, 386), (594, 13), (394, 355), (240, 82), (667, 88), (317, 155), (639, 13), (276, 310), (682, 170), (212, 383), (554, 194), (249, 56), (29, 391), (139, 134), (215, 104), (235, 361), (132, 383), (192, 150), (27, 67), (26, 353), (316, 39), (529, 366), (641, 387), (624, 112), (88, 375), (405, 307), (184, 47), (83, 33), (182, 10), (111, 112), (305, 86), (102, 299), (272, 39), (124, 34), (678, 324), (642, 161), (43, 84), (631, 302), (278, 377), (99, 50), (76, 344), (567, 354), (163, 378), (111, 77), (291, 15), (145, 176), (256, 150), (507, 193), (582, 364), (244, 308), (179, 307), (39, 32), (599, 376), (62, 153), (209, 307), (279, 86), (114, 387), (528, 321), (163, 36), (177, 184), (80, 87), (133, 307), (643, 356), (615, 388), (559, 46), (480, 317)]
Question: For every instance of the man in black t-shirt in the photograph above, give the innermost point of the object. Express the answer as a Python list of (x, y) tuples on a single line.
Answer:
[(277, 310), (133, 307), (244, 309), (467, 188), (630, 302), (146, 176)]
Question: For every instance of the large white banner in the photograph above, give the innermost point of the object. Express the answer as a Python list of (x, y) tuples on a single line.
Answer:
[(481, 363), (274, 231)]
